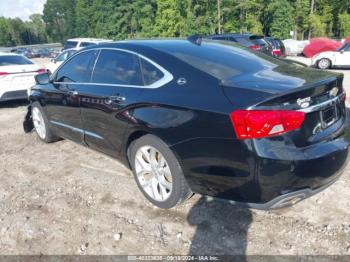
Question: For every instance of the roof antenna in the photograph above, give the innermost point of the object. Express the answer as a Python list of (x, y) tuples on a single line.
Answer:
[(195, 39)]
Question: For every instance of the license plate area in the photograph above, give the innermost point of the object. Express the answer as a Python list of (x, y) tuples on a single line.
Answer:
[(329, 115)]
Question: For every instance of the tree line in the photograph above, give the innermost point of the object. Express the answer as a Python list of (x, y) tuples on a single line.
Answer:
[(124, 19)]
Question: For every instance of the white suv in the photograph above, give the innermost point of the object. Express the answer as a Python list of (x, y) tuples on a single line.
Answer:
[(83, 42)]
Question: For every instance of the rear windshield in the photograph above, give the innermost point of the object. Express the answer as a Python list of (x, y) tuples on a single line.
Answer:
[(14, 60), (70, 44), (222, 60), (257, 40)]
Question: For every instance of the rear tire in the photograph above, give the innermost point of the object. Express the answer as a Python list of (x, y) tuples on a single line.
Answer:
[(324, 63), (157, 172), (41, 125)]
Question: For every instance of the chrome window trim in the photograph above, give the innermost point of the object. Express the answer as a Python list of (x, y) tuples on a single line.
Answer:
[(168, 77)]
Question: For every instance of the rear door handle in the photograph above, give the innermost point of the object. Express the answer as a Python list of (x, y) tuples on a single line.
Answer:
[(115, 99)]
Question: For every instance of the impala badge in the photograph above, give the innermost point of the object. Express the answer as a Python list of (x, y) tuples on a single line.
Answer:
[(304, 102), (333, 92)]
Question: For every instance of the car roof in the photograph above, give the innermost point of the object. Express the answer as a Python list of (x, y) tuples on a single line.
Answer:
[(233, 34), (9, 54), (161, 45), (93, 40), (70, 49)]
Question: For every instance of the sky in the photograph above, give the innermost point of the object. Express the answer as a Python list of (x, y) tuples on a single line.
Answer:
[(21, 8)]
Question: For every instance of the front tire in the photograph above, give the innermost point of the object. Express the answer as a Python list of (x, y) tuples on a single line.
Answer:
[(324, 63), (157, 172), (41, 125)]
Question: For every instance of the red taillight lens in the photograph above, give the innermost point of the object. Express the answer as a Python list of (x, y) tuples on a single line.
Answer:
[(40, 71), (343, 96), (3, 73), (255, 47), (250, 124)]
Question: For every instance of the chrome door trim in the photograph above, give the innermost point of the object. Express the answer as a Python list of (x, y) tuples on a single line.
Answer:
[(75, 129)]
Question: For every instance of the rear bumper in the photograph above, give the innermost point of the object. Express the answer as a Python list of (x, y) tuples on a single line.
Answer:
[(14, 95), (261, 175), (282, 201)]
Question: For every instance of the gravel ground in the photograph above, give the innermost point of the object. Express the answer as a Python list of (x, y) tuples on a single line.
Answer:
[(63, 198)]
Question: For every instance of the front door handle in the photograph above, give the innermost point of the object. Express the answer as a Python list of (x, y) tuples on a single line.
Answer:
[(115, 99), (73, 93)]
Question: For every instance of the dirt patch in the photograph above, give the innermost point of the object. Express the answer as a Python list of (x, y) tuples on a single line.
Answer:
[(63, 198)]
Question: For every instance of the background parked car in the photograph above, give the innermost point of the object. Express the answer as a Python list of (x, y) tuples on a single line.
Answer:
[(57, 61), (251, 41), (278, 48), (83, 42), (332, 59), (16, 76), (27, 52)]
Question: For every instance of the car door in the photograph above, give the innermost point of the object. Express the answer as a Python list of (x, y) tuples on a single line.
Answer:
[(63, 104), (115, 84), (343, 57)]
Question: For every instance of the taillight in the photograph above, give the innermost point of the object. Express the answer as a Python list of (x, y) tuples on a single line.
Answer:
[(42, 70), (276, 52), (250, 124), (255, 47), (3, 73)]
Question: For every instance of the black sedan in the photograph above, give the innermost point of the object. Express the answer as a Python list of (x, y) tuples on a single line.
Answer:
[(204, 117)]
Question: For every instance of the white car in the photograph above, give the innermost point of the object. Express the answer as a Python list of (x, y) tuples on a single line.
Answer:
[(59, 59), (16, 76), (333, 59), (83, 42)]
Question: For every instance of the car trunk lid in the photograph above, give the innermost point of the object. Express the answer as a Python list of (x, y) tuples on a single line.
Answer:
[(319, 94)]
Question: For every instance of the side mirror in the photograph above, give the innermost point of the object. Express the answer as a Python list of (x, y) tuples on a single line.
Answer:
[(53, 60), (42, 79), (342, 51)]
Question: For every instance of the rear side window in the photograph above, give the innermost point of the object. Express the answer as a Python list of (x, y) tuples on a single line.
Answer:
[(151, 73), (14, 60), (117, 67), (219, 38), (78, 69), (84, 44), (231, 38), (70, 44), (244, 41)]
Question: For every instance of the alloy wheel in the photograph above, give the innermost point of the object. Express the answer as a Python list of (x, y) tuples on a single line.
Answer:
[(324, 63), (153, 173), (39, 123)]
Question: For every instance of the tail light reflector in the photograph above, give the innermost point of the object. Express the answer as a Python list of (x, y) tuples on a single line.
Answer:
[(343, 96), (250, 124), (3, 73)]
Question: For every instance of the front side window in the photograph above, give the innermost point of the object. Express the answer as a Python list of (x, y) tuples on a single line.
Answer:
[(151, 73), (62, 57), (78, 69), (117, 67)]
